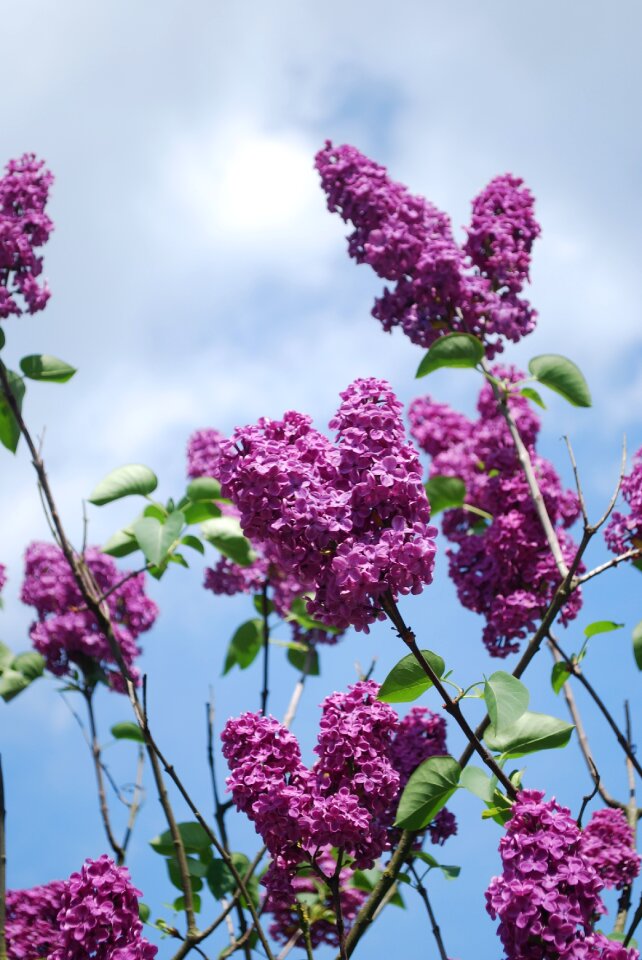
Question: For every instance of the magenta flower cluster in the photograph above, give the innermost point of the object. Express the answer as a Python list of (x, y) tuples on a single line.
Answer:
[(92, 914), (502, 567), (548, 896), (202, 453), (439, 286), (66, 632), (625, 532), (32, 928), (608, 842), (24, 226), (348, 799), (348, 520), (3, 576)]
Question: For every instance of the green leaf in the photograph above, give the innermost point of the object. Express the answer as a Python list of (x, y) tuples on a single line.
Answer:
[(204, 488), (532, 732), (121, 544), (133, 479), (193, 835), (637, 645), (2, 338), (444, 493), (506, 700), (244, 645), (452, 350), (563, 376), (559, 675), (12, 682), (299, 658), (127, 730), (155, 538), (155, 510), (368, 879), (258, 600), (478, 782), (144, 911), (41, 366), (219, 878), (407, 680), (9, 429), (30, 664), (601, 626), (620, 938), (450, 872), (429, 789), (533, 395), (194, 543), (6, 656), (299, 613), (179, 903), (226, 535), (198, 512)]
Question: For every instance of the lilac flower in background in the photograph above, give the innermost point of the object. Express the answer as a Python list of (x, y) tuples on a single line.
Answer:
[(625, 532), (66, 632), (348, 520), (3, 576), (31, 926), (548, 895), (500, 563), (285, 916), (608, 843), (202, 453), (99, 917), (229, 578), (439, 287), (24, 226)]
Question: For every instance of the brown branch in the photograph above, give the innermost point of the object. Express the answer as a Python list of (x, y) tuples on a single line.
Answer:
[(423, 893), (265, 692), (633, 554), (624, 903), (118, 849), (135, 805)]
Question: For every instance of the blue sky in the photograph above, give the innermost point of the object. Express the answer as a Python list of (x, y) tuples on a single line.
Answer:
[(198, 280)]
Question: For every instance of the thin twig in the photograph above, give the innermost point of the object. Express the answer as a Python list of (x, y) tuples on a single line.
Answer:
[(290, 713), (100, 783), (575, 670), (265, 692), (633, 554), (578, 485), (136, 799), (586, 799), (624, 903), (423, 893)]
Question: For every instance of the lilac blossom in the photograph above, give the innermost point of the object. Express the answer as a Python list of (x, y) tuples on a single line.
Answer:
[(349, 520), (24, 226), (202, 453), (99, 917), (608, 843), (3, 576), (502, 567), (624, 532), (439, 286), (548, 895), (66, 632), (32, 929)]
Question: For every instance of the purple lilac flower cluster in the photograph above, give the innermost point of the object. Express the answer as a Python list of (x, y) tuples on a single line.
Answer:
[(347, 800), (66, 632), (282, 906), (625, 532), (439, 287), (92, 914), (32, 929), (24, 226), (348, 520), (607, 841), (502, 568), (202, 453), (549, 893), (3, 576)]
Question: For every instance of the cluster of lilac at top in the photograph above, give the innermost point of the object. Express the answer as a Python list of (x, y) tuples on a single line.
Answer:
[(625, 532), (439, 286), (548, 896), (347, 800), (502, 568), (24, 226), (66, 632), (92, 914), (348, 520)]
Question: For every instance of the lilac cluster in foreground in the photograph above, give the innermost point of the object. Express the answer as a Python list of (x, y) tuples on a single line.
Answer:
[(502, 568), (66, 632), (92, 914), (625, 532), (438, 286), (548, 896), (347, 800), (348, 520), (24, 226)]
